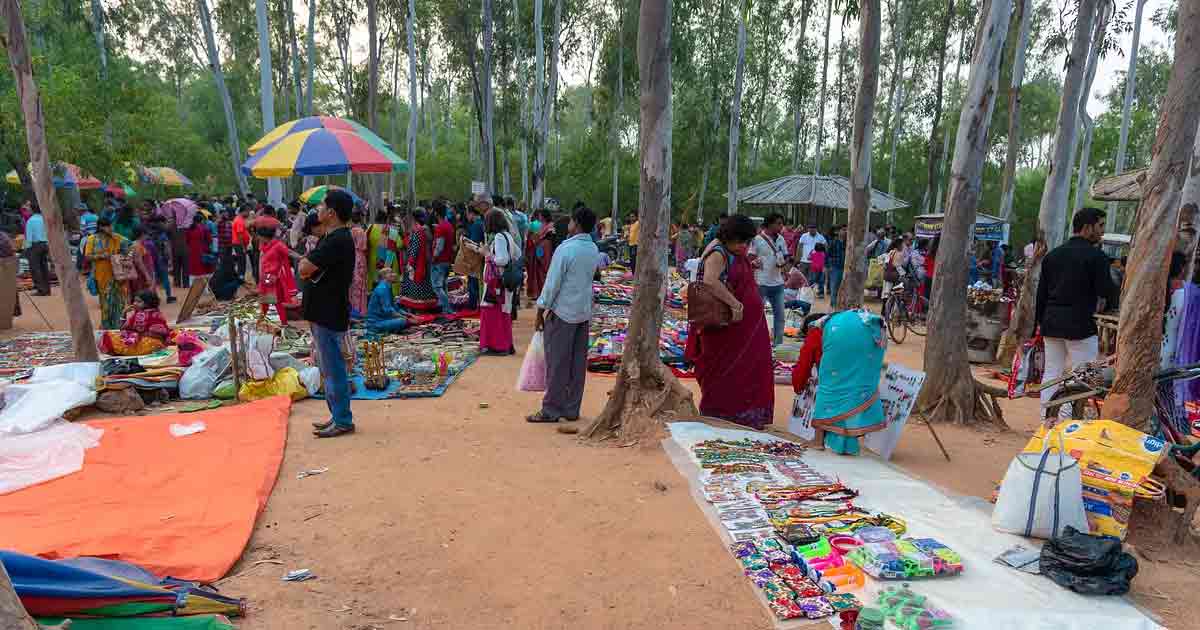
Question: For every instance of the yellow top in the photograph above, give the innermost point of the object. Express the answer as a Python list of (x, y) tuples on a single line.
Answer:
[(633, 233)]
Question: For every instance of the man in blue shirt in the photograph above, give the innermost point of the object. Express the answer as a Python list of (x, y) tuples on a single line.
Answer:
[(37, 250), (835, 263), (564, 311)]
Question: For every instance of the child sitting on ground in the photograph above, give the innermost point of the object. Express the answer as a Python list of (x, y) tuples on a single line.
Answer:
[(792, 292), (145, 329)]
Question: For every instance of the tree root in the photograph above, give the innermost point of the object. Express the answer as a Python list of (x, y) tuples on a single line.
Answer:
[(638, 404), (980, 405)]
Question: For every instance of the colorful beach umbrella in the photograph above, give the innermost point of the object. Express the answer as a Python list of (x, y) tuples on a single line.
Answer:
[(165, 176), (316, 194), (316, 122), (180, 209), (322, 152), (65, 176), (119, 190)]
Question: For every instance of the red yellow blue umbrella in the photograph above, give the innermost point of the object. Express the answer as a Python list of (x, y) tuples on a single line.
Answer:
[(316, 194), (65, 176), (165, 176), (316, 122), (322, 152)]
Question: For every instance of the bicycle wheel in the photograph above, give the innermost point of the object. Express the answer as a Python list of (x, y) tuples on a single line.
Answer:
[(918, 315), (894, 315), (1087, 408)]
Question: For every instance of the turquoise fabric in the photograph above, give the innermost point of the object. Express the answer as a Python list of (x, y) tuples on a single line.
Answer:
[(852, 348)]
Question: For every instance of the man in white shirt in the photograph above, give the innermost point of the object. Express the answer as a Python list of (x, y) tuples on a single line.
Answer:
[(770, 259), (805, 246)]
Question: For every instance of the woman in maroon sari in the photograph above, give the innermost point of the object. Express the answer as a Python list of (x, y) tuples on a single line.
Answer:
[(538, 253), (733, 362)]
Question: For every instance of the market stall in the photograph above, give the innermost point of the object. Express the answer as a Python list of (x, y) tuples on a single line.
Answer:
[(822, 536), (987, 227)]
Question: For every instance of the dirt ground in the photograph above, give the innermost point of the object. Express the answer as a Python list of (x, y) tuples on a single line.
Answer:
[(439, 513)]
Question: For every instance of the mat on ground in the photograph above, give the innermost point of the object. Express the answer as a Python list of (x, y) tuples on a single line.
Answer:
[(183, 507)]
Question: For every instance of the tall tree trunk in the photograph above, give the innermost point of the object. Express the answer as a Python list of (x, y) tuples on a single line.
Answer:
[(1110, 221), (98, 32), (821, 101), (764, 80), (851, 295), (82, 337), (1086, 122), (934, 144), (523, 124), (375, 186), (735, 111), (296, 87), (899, 30), (798, 102), (412, 105), (939, 198), (214, 63), (489, 100), (949, 392), (551, 92), (311, 45), (1014, 109), (539, 82), (394, 125), (1052, 215), (645, 389), (1139, 331), (616, 116), (841, 98), (311, 39), (274, 191)]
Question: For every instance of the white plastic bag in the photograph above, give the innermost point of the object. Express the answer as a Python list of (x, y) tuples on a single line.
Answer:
[(202, 375), (533, 369), (807, 294), (1041, 494)]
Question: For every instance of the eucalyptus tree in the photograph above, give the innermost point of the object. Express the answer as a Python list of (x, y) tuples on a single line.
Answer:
[(214, 63), (950, 393), (1110, 221), (735, 110)]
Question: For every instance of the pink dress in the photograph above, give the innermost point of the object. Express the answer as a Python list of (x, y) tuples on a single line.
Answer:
[(358, 286)]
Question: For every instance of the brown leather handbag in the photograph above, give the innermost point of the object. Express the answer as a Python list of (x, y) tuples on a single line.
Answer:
[(704, 308)]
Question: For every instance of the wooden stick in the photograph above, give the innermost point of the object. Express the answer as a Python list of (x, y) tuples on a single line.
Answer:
[(233, 357), (937, 439)]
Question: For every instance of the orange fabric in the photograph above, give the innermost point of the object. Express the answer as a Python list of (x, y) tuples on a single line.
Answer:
[(178, 506)]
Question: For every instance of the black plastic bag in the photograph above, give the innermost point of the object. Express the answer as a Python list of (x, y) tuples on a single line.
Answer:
[(118, 367), (1089, 565)]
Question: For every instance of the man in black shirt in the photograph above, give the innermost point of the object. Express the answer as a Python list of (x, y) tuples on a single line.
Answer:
[(328, 270), (1074, 278)]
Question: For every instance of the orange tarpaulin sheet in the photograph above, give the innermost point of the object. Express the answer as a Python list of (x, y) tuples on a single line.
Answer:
[(178, 506)]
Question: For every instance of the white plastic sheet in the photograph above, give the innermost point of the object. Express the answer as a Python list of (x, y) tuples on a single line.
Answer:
[(987, 596), (34, 405), (56, 451), (84, 373)]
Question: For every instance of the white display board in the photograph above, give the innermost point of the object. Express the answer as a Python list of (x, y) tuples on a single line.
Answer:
[(898, 391)]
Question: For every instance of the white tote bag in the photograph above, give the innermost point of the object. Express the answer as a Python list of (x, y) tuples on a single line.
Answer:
[(1041, 494)]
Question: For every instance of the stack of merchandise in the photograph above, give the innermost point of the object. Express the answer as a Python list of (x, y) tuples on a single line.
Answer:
[(606, 341), (19, 355), (799, 535)]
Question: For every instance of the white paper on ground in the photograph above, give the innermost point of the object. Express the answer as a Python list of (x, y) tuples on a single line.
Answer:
[(180, 430), (987, 596), (56, 451), (32, 406)]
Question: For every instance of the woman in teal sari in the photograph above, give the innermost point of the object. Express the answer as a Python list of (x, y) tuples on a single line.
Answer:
[(847, 349)]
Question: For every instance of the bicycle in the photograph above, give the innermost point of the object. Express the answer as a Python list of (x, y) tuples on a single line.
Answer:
[(1085, 387), (903, 311)]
